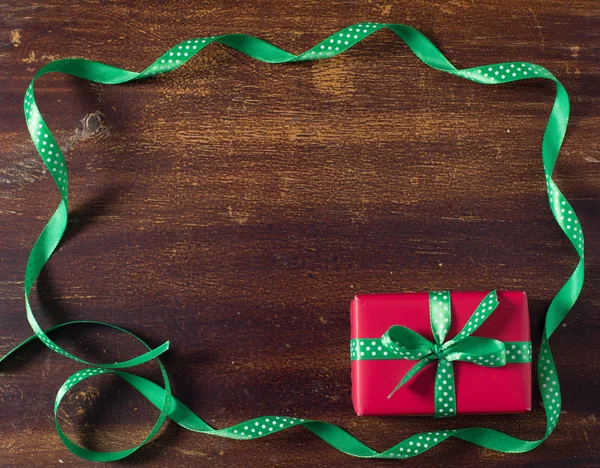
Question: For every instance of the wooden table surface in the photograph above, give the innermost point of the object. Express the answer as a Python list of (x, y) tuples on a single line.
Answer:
[(236, 207)]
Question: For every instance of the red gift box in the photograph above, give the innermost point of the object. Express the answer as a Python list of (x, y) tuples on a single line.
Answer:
[(505, 389)]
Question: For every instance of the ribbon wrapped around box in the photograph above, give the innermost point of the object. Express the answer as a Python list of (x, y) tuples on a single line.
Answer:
[(403, 363)]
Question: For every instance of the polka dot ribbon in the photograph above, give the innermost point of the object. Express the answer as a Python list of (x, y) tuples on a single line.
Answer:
[(401, 342), (161, 395), (371, 349)]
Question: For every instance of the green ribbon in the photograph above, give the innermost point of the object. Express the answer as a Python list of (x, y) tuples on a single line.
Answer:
[(162, 397), (400, 342)]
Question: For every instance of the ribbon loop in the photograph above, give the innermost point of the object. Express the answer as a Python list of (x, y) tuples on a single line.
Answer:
[(406, 343), (477, 350)]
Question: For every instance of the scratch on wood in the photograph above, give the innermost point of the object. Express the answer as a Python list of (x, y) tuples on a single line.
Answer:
[(386, 10), (591, 419), (574, 51), (15, 37), (334, 79), (238, 217), (30, 58), (538, 27)]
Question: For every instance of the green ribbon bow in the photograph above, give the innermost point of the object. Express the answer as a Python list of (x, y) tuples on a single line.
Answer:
[(404, 343)]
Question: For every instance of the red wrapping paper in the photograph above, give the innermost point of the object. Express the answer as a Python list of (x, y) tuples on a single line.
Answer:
[(479, 389)]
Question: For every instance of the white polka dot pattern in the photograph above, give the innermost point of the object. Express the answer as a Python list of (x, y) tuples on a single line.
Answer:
[(368, 349), (483, 311), (416, 444), (45, 143), (440, 314), (504, 72), (445, 391), (340, 41), (517, 352), (565, 215), (177, 56), (548, 382), (263, 426)]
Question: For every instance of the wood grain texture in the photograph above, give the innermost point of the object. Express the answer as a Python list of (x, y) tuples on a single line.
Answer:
[(236, 207)]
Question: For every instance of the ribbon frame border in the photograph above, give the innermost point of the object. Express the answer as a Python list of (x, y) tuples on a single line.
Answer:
[(335, 44)]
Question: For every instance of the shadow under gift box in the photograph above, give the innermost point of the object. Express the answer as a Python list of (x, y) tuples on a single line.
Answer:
[(479, 389)]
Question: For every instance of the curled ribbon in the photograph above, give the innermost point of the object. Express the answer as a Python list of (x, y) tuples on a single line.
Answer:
[(161, 397), (405, 343)]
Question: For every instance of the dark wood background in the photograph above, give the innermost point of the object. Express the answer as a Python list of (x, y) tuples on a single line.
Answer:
[(235, 208)]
